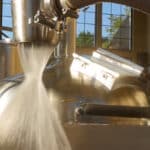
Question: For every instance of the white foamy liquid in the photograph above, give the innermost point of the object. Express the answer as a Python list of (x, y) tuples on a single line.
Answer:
[(29, 120)]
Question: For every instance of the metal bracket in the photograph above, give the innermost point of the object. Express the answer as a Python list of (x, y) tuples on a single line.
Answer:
[(44, 19)]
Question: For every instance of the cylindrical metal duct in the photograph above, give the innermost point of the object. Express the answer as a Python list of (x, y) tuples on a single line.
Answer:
[(137, 4), (23, 12), (25, 30)]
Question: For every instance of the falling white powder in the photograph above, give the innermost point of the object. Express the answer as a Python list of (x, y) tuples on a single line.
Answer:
[(28, 118)]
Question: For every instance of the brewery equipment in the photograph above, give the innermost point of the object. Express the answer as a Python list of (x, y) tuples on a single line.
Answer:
[(45, 20), (83, 106)]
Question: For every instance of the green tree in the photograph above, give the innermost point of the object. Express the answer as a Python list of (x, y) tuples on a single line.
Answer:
[(85, 39), (105, 42), (116, 23)]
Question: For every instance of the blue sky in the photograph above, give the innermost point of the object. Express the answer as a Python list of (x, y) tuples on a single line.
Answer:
[(7, 20)]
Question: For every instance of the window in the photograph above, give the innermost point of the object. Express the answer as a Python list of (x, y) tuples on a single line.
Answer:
[(6, 24), (5, 32), (112, 26), (116, 26), (86, 27)]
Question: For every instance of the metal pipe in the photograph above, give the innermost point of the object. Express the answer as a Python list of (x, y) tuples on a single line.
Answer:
[(137, 4), (113, 111), (28, 28), (23, 11)]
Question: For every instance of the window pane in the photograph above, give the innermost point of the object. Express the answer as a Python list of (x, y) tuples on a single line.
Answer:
[(105, 31), (6, 1), (89, 41), (106, 8), (125, 10), (80, 28), (114, 43), (6, 19), (106, 20), (105, 42), (81, 17), (125, 44), (86, 27), (92, 8), (7, 34), (115, 21), (90, 28), (6, 10), (125, 33), (90, 18), (116, 26), (116, 34), (126, 21), (116, 9), (85, 40)]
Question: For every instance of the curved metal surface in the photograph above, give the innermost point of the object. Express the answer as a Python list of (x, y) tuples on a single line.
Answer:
[(137, 4), (105, 137), (8, 42), (70, 93), (25, 30), (22, 11)]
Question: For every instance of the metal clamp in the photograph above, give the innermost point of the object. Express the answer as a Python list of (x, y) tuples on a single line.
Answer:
[(44, 19)]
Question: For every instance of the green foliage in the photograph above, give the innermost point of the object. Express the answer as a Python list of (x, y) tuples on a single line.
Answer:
[(85, 39), (116, 23), (127, 11), (105, 43)]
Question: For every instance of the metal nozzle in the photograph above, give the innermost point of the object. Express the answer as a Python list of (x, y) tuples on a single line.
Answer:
[(39, 21)]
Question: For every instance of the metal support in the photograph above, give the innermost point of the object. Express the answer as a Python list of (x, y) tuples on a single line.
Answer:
[(98, 22), (112, 111), (1, 14)]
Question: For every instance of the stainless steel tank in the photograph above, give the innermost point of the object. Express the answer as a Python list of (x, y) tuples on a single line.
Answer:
[(89, 132)]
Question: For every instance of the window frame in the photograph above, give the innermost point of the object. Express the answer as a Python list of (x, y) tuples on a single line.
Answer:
[(4, 28), (84, 23), (98, 30), (1, 14), (131, 33)]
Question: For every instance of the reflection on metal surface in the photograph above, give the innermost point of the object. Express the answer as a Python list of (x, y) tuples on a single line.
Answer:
[(8, 42), (25, 30), (70, 94), (117, 61), (103, 67), (95, 71)]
